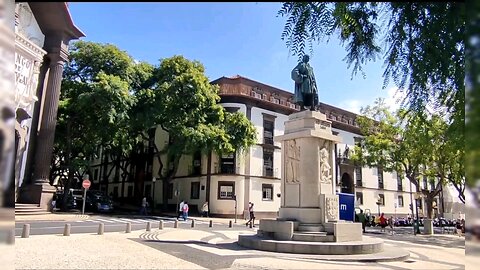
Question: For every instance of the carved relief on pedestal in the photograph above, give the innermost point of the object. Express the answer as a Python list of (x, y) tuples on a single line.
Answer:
[(292, 161), (332, 208), (325, 168)]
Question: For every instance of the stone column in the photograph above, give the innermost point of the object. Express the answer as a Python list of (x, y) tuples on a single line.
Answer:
[(46, 135), (40, 191)]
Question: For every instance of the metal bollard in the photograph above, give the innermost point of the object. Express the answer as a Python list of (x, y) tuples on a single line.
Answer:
[(193, 223), (66, 231), (160, 225), (129, 228), (11, 237), (26, 231), (149, 227), (101, 228), (175, 225), (230, 224), (210, 224)]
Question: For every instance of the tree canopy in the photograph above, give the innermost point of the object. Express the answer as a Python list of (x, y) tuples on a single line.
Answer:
[(95, 103), (184, 103), (423, 46), (412, 144)]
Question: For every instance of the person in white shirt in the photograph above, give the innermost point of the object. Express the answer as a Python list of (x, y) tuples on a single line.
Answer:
[(205, 209), (143, 210), (180, 209)]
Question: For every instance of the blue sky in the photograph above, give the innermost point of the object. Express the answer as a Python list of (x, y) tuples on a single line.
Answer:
[(229, 39)]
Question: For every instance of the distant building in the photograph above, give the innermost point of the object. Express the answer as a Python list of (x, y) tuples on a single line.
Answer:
[(254, 175), (42, 34)]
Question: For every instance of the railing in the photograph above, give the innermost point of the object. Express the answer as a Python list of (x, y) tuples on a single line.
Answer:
[(268, 172), (268, 140), (359, 183), (227, 169), (247, 91)]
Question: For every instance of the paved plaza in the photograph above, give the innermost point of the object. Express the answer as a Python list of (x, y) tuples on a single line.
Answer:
[(215, 248)]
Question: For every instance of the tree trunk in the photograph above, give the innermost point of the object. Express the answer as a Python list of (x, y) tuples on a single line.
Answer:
[(209, 176)]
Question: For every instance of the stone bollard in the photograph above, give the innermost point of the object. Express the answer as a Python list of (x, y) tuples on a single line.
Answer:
[(175, 225), (66, 231), (149, 227), (129, 228), (11, 237), (193, 223), (160, 225), (26, 231), (101, 228), (230, 224), (210, 224)]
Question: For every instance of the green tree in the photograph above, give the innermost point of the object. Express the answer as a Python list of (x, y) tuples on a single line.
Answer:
[(94, 107), (423, 46), (415, 145), (472, 140), (185, 105)]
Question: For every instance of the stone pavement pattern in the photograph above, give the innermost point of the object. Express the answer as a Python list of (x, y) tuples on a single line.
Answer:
[(205, 249)]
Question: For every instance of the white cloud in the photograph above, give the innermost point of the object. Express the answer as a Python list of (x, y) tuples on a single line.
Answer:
[(352, 105), (394, 98)]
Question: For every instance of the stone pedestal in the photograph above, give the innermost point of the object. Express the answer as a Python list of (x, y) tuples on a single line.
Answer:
[(309, 206), (308, 194), (38, 193)]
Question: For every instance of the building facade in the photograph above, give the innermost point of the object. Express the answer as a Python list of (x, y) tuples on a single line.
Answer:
[(42, 34), (253, 175)]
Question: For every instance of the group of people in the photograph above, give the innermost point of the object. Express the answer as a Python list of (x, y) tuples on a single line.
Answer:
[(382, 221), (183, 209)]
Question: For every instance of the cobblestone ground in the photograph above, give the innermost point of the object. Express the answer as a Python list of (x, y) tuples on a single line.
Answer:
[(215, 248)]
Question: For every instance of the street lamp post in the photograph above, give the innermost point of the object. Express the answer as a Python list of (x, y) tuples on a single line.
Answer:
[(153, 196), (417, 227)]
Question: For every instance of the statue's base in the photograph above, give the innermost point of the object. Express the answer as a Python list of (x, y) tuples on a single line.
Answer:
[(337, 238)]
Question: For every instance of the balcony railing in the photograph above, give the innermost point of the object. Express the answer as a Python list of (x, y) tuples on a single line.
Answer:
[(359, 183), (227, 169), (247, 91), (268, 140), (399, 188), (268, 172)]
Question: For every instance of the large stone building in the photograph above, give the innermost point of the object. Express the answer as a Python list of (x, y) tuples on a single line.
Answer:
[(254, 175), (42, 34)]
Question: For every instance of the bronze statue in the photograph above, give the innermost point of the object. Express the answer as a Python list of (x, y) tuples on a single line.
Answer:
[(306, 93)]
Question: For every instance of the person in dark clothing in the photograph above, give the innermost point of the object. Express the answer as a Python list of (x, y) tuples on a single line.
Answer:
[(252, 215), (362, 219)]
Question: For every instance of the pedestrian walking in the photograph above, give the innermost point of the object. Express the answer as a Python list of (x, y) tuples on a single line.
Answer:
[(54, 202), (205, 209), (390, 224), (383, 222), (185, 211), (252, 215), (143, 210), (362, 219), (180, 209)]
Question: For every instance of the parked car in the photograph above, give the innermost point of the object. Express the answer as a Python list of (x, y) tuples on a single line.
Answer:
[(71, 203), (98, 201)]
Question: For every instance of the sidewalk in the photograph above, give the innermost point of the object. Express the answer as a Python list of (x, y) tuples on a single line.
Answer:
[(53, 217), (90, 251)]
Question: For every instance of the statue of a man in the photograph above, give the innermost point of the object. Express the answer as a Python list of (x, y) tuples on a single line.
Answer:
[(306, 93)]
